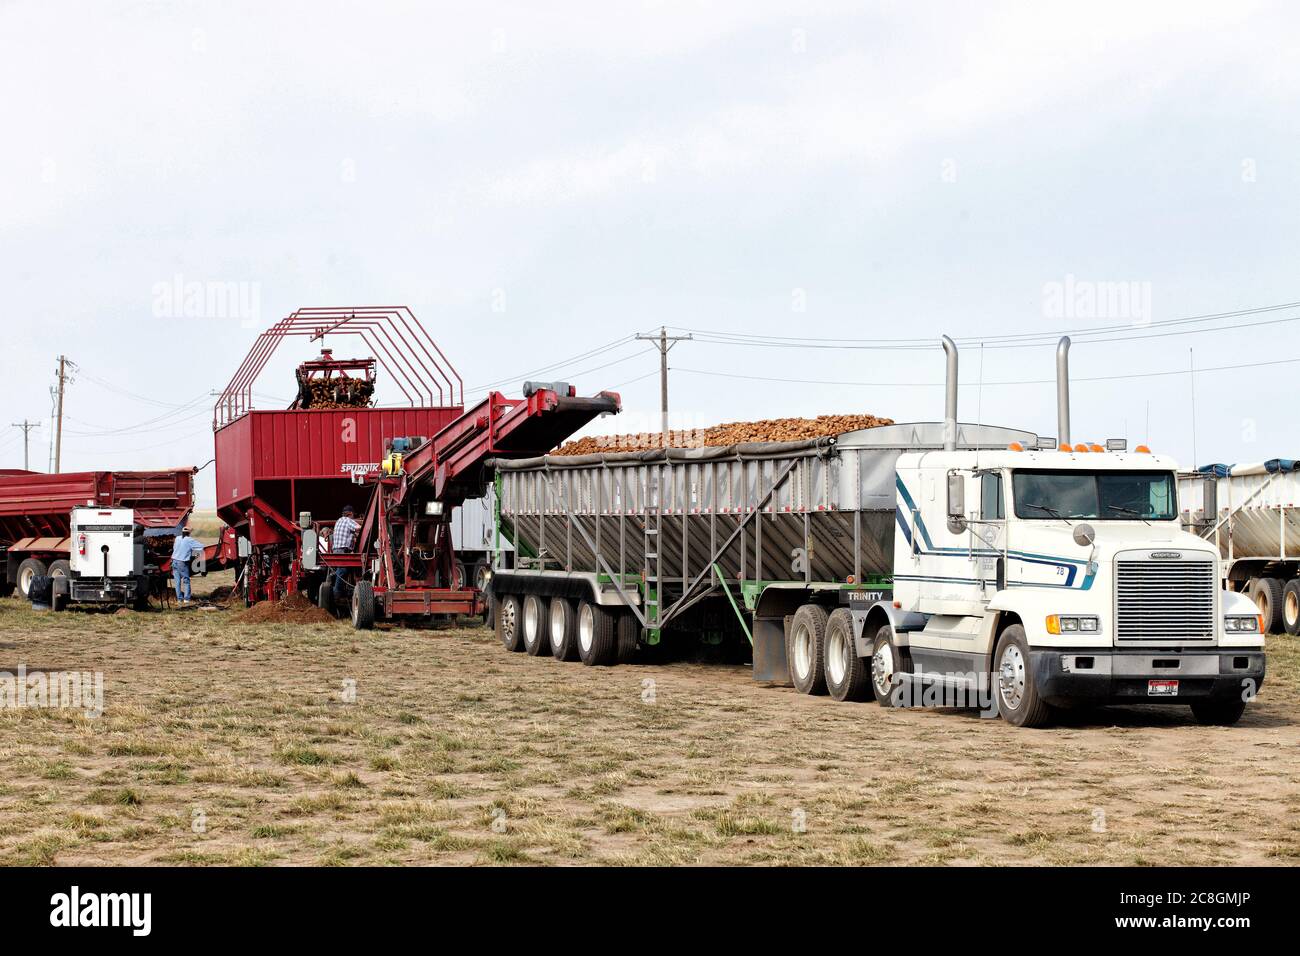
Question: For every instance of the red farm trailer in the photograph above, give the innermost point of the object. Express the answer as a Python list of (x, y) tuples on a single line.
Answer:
[(35, 516)]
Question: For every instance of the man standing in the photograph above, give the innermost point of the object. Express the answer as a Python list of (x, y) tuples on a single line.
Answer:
[(342, 541), (183, 551)]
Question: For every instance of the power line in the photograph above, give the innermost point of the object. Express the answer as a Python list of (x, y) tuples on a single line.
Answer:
[(511, 379)]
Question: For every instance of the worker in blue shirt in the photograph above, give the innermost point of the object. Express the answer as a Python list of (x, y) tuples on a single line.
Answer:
[(183, 551), (342, 541)]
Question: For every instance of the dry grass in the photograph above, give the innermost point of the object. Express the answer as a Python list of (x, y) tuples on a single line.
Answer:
[(224, 743)]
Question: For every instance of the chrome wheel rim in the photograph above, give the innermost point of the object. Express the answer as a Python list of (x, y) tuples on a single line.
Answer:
[(25, 580), (1011, 677), (803, 653), (837, 656), (1291, 608), (882, 669), (586, 628), (530, 620), (508, 620), (557, 624)]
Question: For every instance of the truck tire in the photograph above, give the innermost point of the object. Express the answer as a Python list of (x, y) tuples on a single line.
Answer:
[(563, 623), (363, 606), (848, 677), (1218, 713), (1267, 595), (597, 635), (629, 632), (509, 631), (60, 569), (536, 620), (29, 568), (1291, 607), (1017, 695), (887, 664), (805, 649), (60, 592), (325, 596)]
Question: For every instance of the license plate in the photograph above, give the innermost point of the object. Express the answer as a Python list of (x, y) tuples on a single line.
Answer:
[(1162, 688)]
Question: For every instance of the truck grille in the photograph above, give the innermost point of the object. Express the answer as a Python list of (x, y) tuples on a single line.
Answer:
[(1164, 601)]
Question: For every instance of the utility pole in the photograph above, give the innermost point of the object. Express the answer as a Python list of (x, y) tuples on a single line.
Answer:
[(26, 426), (64, 362), (663, 342)]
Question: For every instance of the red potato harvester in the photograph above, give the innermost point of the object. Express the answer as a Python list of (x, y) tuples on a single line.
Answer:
[(284, 476)]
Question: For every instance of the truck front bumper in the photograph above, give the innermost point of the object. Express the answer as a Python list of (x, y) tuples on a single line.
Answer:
[(1123, 675)]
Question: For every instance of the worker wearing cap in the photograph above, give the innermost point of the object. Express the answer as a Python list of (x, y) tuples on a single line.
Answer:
[(342, 541), (183, 551)]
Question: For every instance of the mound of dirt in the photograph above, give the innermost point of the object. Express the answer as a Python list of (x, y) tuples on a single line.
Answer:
[(292, 608), (728, 433)]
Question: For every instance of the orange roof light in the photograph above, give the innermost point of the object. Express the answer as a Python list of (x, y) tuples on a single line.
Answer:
[(1095, 447), (1015, 446), (1081, 446), (1064, 447), (1142, 450)]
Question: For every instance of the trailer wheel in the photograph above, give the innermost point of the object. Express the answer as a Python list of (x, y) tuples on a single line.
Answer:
[(1018, 699), (60, 569), (563, 629), (509, 612), (848, 677), (629, 632), (1218, 713), (1267, 595), (325, 596), (29, 569), (1291, 607), (59, 592), (805, 649), (597, 635), (363, 606), (535, 620)]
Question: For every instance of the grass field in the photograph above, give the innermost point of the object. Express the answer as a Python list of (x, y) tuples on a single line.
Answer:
[(230, 743)]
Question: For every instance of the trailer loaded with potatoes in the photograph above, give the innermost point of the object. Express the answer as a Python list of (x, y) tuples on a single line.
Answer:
[(959, 564)]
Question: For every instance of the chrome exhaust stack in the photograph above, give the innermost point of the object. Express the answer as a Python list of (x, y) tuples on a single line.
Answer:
[(950, 396), (1063, 391)]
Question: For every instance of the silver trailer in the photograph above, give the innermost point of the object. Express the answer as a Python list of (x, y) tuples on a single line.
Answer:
[(708, 539), (1252, 512)]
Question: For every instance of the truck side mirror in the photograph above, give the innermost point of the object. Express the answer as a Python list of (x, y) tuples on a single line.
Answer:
[(956, 502), (1210, 508)]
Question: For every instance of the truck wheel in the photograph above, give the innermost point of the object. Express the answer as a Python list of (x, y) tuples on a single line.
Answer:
[(886, 668), (597, 635), (535, 619), (805, 647), (629, 632), (564, 630), (1267, 595), (363, 606), (1291, 607), (29, 569), (509, 633), (847, 675), (1218, 713), (482, 575), (59, 592), (1018, 699), (325, 597), (60, 569)]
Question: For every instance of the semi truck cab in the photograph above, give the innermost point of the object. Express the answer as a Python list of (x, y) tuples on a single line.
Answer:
[(1064, 575)]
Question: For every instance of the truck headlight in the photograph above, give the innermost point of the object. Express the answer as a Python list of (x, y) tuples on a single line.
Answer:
[(1243, 623), (1073, 624)]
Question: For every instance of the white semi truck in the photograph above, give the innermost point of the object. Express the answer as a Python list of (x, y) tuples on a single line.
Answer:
[(932, 562)]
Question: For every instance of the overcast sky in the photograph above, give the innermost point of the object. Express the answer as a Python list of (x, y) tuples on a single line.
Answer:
[(539, 180)]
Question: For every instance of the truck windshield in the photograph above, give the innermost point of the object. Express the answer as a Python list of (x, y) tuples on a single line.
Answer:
[(1104, 495)]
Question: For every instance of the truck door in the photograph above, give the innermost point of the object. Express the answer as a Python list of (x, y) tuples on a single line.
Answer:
[(990, 532)]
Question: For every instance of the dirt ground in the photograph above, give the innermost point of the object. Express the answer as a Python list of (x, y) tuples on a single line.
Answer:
[(224, 742)]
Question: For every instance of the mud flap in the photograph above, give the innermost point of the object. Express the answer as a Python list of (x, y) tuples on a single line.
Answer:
[(770, 664)]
